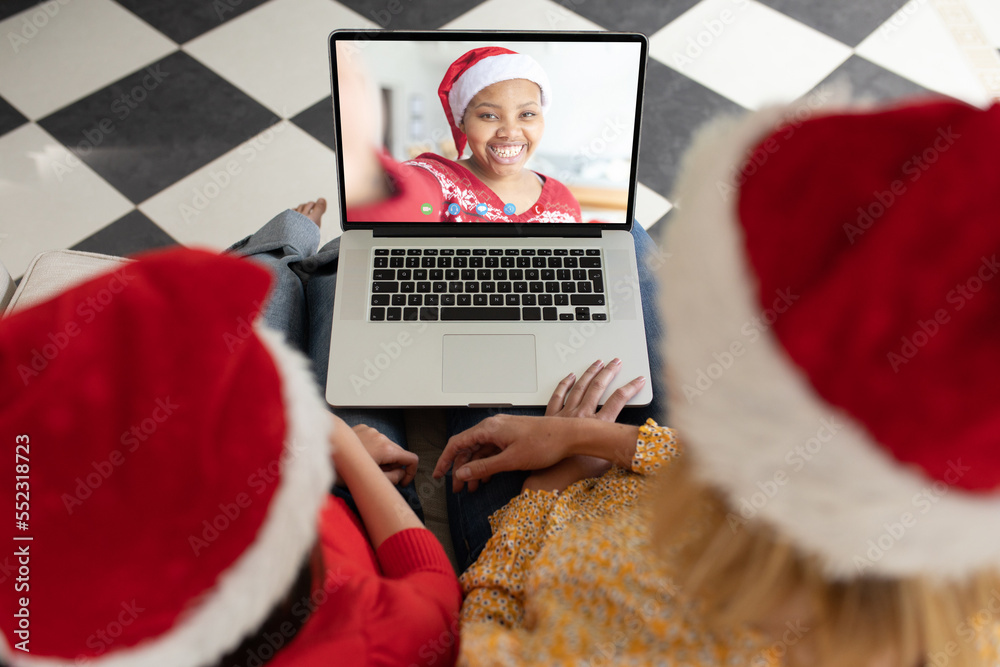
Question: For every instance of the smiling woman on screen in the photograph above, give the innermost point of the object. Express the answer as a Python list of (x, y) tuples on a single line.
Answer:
[(495, 101)]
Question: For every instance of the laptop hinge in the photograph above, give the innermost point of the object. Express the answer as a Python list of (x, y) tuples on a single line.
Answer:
[(538, 230)]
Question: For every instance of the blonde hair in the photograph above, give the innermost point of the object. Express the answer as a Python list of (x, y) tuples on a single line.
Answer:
[(741, 571)]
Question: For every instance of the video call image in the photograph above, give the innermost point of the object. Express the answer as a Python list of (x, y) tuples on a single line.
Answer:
[(521, 132)]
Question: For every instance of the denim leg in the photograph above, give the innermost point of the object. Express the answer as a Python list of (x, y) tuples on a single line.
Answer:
[(468, 513), (280, 244), (321, 272)]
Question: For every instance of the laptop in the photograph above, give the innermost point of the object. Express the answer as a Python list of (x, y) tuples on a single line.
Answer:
[(490, 255)]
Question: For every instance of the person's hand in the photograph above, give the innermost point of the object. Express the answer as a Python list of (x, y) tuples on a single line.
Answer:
[(579, 398), (361, 115), (398, 464), (565, 473), (506, 442)]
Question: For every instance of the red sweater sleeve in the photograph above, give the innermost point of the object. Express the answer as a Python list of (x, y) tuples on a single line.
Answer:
[(412, 188), (396, 606)]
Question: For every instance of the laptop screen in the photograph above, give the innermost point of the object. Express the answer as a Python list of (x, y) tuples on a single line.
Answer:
[(458, 128)]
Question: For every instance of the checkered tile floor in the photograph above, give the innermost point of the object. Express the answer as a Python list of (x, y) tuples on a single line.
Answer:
[(135, 124)]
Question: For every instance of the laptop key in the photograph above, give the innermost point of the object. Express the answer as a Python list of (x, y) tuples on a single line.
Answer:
[(532, 274), (521, 287), (380, 299), (430, 251), (484, 274), (464, 299), (488, 287), (452, 274), (544, 299), (531, 313), (600, 317), (478, 300), (431, 300), (582, 313), (428, 314), (378, 314), (472, 288), (384, 274), (584, 287), (410, 314), (576, 251), (461, 262), (428, 262), (420, 274), (396, 262), (441, 287), (560, 251), (593, 251), (580, 274), (568, 287), (463, 251), (563, 317), (454, 287), (586, 299), (468, 274), (570, 263), (598, 285), (381, 262), (381, 251), (412, 262), (550, 313), (590, 262), (472, 313), (497, 300), (393, 314), (408, 287), (399, 299), (404, 274), (523, 262), (511, 300), (424, 287), (415, 300), (505, 287), (552, 287), (447, 299), (437, 274), (536, 287), (397, 251), (385, 286), (562, 299), (528, 300)]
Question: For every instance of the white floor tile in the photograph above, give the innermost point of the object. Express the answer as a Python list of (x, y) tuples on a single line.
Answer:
[(62, 52), (747, 51), (521, 15), (237, 193), (649, 206), (51, 200), (278, 53), (916, 44)]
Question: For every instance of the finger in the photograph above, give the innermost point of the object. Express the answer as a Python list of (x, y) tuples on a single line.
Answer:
[(479, 469), (598, 385), (576, 394), (395, 475), (460, 460), (482, 433), (617, 400), (409, 462), (559, 395)]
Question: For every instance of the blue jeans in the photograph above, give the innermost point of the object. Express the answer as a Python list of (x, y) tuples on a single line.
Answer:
[(301, 306)]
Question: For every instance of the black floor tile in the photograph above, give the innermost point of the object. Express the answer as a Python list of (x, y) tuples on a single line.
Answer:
[(868, 81), (10, 7), (644, 17), (849, 21), (10, 118), (317, 120), (181, 20), (131, 233), (674, 106), (411, 14), (158, 125)]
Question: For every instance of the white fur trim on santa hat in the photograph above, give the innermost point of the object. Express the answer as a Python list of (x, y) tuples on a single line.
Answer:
[(755, 427), (486, 72), (245, 594)]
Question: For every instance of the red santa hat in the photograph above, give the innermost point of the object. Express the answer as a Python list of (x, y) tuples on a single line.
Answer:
[(176, 454), (833, 303), (478, 69)]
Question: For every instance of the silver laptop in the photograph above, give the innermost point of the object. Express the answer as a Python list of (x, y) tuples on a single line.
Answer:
[(498, 257)]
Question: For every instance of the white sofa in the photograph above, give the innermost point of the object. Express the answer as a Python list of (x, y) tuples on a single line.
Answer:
[(49, 273)]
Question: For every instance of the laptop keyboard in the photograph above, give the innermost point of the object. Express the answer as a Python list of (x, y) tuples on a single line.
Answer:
[(487, 284)]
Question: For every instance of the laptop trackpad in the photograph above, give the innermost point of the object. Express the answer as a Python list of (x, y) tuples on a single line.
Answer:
[(489, 363)]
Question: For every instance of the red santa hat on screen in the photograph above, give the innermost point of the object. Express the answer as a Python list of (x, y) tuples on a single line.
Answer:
[(478, 69), (833, 303), (178, 459)]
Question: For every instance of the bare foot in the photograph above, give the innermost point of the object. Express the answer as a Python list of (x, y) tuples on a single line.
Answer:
[(313, 210)]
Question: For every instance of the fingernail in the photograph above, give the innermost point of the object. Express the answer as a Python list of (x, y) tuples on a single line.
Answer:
[(641, 379), (571, 376), (463, 473), (616, 362), (598, 363)]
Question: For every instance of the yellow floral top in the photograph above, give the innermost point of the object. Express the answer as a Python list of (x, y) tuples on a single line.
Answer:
[(568, 578)]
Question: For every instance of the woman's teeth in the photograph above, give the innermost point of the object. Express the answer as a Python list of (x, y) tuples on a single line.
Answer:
[(507, 151)]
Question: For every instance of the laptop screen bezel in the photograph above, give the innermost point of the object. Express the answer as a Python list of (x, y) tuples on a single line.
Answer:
[(486, 228)]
